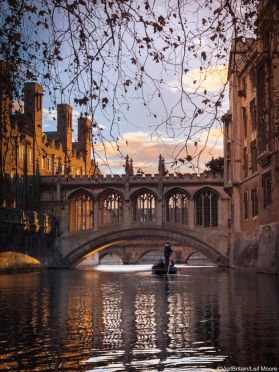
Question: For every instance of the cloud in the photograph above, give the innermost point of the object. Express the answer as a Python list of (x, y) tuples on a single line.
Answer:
[(17, 106), (213, 137), (49, 120), (145, 152), (211, 79)]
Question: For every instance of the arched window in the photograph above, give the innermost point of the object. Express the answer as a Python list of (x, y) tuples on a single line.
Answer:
[(81, 211), (177, 208), (206, 202), (144, 206), (111, 209)]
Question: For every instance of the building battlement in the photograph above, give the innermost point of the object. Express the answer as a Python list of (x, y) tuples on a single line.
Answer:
[(145, 177)]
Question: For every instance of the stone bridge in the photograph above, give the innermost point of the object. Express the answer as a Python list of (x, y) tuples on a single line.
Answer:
[(100, 212)]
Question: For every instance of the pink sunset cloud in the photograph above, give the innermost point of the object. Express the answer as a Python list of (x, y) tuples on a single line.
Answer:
[(145, 150)]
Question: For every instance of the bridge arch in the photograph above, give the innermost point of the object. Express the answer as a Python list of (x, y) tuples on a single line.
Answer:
[(81, 190), (193, 254), (104, 240), (174, 190), (109, 190), (142, 190), (108, 254), (14, 259), (145, 252)]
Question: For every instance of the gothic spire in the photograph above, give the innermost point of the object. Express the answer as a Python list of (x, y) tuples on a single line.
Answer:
[(161, 165), (127, 166), (131, 168)]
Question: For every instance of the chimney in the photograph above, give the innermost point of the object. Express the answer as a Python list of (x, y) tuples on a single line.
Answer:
[(84, 141), (64, 127), (33, 107)]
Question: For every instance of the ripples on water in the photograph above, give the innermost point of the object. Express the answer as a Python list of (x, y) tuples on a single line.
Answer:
[(200, 319)]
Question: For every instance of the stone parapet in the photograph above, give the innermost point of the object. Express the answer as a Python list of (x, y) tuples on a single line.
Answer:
[(122, 178)]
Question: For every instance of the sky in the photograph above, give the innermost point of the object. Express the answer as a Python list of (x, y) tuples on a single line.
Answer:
[(177, 116), (143, 145), (141, 131)]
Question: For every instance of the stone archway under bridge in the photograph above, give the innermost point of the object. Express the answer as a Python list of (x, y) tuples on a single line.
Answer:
[(76, 247), (139, 252)]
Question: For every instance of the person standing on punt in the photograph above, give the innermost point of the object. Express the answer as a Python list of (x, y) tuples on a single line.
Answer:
[(167, 253)]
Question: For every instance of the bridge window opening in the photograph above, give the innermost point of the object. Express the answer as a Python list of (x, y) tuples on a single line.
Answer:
[(206, 209), (81, 212), (198, 259), (177, 208), (89, 261), (144, 208), (111, 209), (151, 257), (110, 259)]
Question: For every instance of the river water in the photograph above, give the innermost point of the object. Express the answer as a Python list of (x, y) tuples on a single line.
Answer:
[(201, 319)]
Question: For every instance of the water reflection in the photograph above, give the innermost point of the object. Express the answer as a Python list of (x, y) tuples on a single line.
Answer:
[(112, 327), (145, 321), (84, 320)]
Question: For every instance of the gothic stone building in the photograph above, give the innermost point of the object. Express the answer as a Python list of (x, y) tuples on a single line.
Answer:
[(27, 152), (251, 136)]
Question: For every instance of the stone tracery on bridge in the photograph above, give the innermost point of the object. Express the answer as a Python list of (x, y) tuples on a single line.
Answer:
[(177, 204)]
